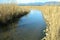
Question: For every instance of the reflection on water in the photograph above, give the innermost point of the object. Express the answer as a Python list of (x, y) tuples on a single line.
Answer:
[(32, 26), (29, 27)]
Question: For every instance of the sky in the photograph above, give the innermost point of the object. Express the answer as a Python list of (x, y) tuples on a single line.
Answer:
[(25, 1), (29, 1)]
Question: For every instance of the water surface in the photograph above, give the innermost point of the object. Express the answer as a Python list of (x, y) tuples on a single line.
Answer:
[(31, 26)]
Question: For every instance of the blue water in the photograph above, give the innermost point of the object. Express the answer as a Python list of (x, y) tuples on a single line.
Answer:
[(31, 26)]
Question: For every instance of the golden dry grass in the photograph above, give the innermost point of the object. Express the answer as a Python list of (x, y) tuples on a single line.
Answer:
[(9, 15), (7, 12), (50, 13), (52, 17), (53, 21)]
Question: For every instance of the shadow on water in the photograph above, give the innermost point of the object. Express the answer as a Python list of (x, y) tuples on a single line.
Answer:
[(8, 24), (5, 26), (30, 27)]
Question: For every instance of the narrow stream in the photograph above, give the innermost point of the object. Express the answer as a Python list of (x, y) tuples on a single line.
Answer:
[(31, 26)]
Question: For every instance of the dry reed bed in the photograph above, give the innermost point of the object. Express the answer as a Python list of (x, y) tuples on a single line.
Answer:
[(8, 12), (52, 17)]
